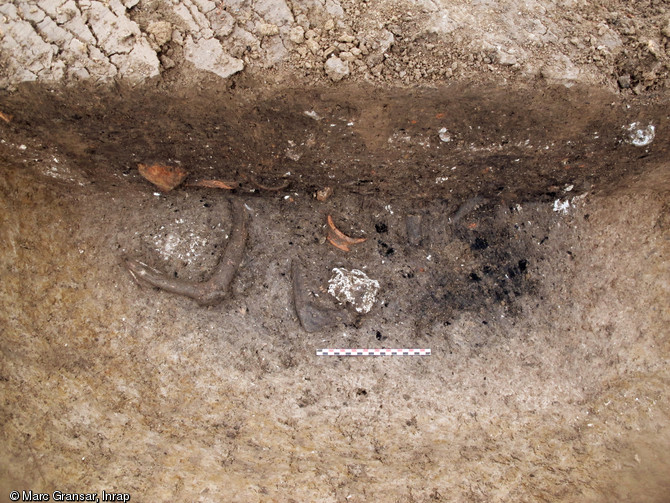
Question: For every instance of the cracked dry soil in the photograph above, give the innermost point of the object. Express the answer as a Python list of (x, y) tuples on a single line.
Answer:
[(517, 233)]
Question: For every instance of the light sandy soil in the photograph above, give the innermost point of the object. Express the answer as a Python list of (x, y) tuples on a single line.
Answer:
[(514, 196), (616, 44)]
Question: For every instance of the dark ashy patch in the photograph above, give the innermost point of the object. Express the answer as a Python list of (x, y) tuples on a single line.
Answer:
[(381, 228), (384, 249), (479, 244)]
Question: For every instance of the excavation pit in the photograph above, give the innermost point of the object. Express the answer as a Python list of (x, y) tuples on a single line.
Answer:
[(521, 235)]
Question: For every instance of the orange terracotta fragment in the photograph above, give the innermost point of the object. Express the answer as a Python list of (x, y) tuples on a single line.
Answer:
[(215, 184), (164, 177), (6, 117)]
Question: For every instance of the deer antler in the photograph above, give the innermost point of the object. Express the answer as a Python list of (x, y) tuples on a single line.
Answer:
[(217, 287)]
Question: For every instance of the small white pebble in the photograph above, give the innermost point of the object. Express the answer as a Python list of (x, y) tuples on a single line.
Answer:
[(444, 135), (22, 147), (561, 206)]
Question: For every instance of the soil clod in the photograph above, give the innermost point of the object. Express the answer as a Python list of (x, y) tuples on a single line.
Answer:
[(324, 194)]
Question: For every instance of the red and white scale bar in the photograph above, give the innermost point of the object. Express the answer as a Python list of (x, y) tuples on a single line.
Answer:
[(372, 352)]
